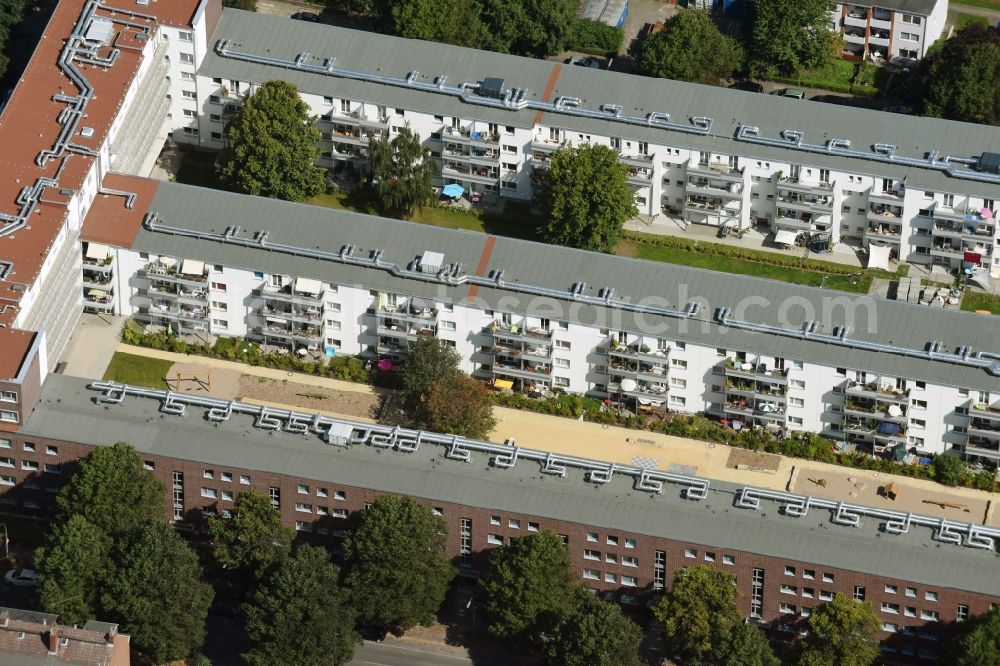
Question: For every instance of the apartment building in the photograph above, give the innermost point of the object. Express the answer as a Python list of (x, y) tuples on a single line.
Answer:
[(871, 373), (31, 638), (891, 29), (628, 529), (925, 188)]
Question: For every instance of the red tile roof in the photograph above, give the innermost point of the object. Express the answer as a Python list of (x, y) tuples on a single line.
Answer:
[(14, 345), (108, 221)]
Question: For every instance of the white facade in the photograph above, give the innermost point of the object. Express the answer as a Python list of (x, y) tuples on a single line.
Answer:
[(904, 30)]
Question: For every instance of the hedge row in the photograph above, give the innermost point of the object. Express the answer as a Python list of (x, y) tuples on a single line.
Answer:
[(594, 37)]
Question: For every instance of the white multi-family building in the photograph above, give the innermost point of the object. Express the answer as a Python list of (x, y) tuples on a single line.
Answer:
[(890, 29), (870, 372), (928, 189)]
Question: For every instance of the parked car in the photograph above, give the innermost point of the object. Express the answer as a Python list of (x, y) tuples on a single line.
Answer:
[(749, 86), (794, 93), (21, 578), (373, 632), (832, 99), (311, 17), (582, 61)]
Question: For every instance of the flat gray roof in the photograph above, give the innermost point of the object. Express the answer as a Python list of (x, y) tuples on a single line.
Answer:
[(558, 268), (368, 52), (66, 411)]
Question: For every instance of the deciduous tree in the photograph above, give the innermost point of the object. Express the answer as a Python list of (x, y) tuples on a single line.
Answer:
[(112, 490), (247, 5), (271, 149), (698, 613), (789, 35), (72, 566), (446, 21), (427, 361), (586, 198), (397, 569), (549, 23), (299, 615), (156, 593), (595, 634), (842, 632), (253, 538), (402, 173), (459, 405), (961, 80), (745, 645), (977, 641), (949, 470), (531, 588), (690, 48)]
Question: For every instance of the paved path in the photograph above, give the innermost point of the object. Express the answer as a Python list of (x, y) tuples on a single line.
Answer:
[(91, 346)]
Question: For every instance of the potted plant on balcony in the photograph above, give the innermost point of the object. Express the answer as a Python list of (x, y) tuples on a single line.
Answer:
[(644, 349)]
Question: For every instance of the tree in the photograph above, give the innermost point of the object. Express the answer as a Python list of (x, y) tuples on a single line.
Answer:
[(402, 173), (531, 587), (446, 21), (113, 491), (397, 569), (271, 149), (502, 25), (549, 23), (949, 470), (961, 80), (156, 593), (586, 198), (459, 405), (690, 48), (789, 35), (427, 361), (11, 12), (596, 634), (247, 5), (299, 616), (842, 632), (72, 565), (698, 613), (253, 538), (746, 645), (977, 643)]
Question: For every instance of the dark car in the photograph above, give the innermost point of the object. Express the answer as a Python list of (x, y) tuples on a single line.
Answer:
[(311, 17), (749, 86), (832, 99), (373, 632)]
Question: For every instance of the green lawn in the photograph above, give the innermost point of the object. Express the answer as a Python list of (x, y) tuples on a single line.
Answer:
[(965, 20), (984, 4), (974, 300), (139, 370), (838, 76)]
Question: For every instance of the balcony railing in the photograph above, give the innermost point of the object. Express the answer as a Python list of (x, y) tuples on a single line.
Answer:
[(173, 273), (715, 170), (517, 332), (800, 185), (755, 370), (309, 315), (287, 294), (879, 392), (983, 411), (468, 135)]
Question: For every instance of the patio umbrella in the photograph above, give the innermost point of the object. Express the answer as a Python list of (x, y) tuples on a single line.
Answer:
[(629, 385), (96, 293), (453, 190), (895, 410), (986, 213)]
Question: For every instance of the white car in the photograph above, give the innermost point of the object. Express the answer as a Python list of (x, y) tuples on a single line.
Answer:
[(21, 578)]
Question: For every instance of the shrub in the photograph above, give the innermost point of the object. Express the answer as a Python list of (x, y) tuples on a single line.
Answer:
[(594, 37)]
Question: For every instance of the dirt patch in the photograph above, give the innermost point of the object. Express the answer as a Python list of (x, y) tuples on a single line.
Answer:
[(306, 396), (753, 461), (197, 378)]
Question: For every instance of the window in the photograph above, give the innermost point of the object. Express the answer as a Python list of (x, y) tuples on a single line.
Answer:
[(786, 608), (929, 615), (910, 611), (208, 492), (809, 574), (709, 557), (910, 18), (437, 511), (659, 569), (789, 589), (859, 593), (890, 608), (8, 417), (629, 561), (930, 596), (729, 560), (911, 592), (208, 474), (563, 344), (322, 492), (219, 286), (514, 523), (688, 552), (629, 581), (4, 443), (629, 543), (591, 555), (495, 521), (611, 558), (303, 489), (339, 495), (532, 527), (909, 36), (8, 396), (189, 94), (339, 513), (244, 480), (808, 592), (29, 464), (825, 595), (789, 571), (889, 627), (275, 494), (591, 574), (610, 578), (185, 36), (187, 57), (494, 539), (227, 495), (827, 577), (7, 480), (890, 589), (612, 540), (303, 507), (148, 465), (29, 447), (961, 612)]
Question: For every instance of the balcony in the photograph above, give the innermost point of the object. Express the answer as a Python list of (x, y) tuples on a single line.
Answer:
[(942, 212), (892, 197), (637, 351), (885, 213), (413, 310), (176, 292), (982, 449), (878, 37), (486, 175), (310, 335), (715, 170), (517, 333), (188, 272), (800, 185), (640, 177), (638, 370), (979, 230), (949, 229), (982, 411), (466, 135), (546, 145), (754, 370), (636, 160), (856, 20), (525, 351), (807, 201), (714, 188), (98, 265), (96, 280), (889, 232), (985, 429), (357, 118), (164, 311), (639, 389), (947, 250), (98, 300), (854, 36), (789, 219), (304, 315), (699, 205), (879, 392), (305, 292), (533, 373), (393, 328)]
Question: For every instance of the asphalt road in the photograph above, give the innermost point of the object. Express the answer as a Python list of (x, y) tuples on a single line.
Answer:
[(395, 654)]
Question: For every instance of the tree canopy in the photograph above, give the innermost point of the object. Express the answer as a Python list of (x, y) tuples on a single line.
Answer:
[(72, 564), (271, 146), (531, 587), (247, 5), (977, 641), (961, 80), (155, 592), (690, 48), (746, 645), (842, 632), (398, 572), (789, 35), (112, 490), (595, 634), (698, 613), (427, 361), (299, 615), (586, 198), (11, 12), (446, 21), (949, 470), (253, 538), (402, 173), (459, 405)]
